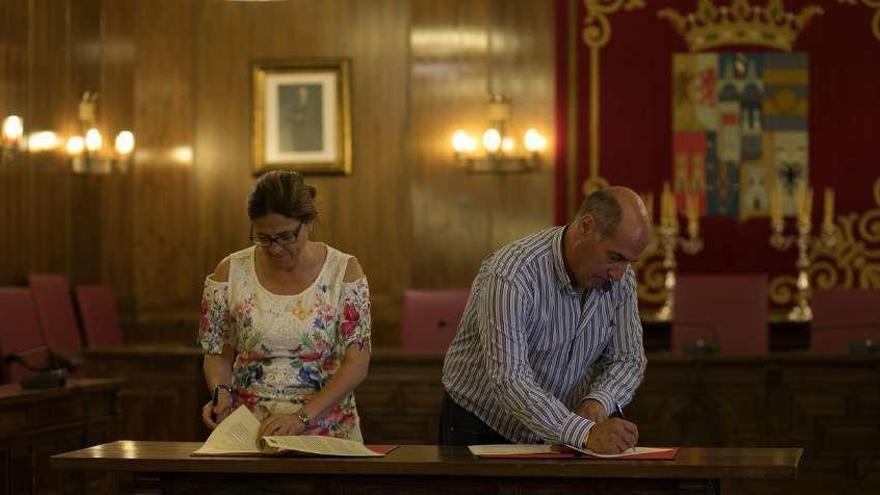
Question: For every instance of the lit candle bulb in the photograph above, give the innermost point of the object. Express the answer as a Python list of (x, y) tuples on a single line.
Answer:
[(691, 211), (829, 208)]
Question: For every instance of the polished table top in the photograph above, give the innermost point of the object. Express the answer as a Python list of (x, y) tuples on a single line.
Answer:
[(432, 460)]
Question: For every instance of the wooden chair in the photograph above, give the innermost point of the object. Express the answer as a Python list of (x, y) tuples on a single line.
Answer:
[(57, 317), (430, 318), (20, 336), (845, 320), (99, 316), (728, 312)]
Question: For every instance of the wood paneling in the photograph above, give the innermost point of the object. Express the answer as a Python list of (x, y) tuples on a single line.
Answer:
[(366, 213), (459, 218), (177, 73), (36, 424), (829, 405), (163, 392), (429, 469), (164, 238)]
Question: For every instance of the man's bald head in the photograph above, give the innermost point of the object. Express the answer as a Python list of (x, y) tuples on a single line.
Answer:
[(617, 206)]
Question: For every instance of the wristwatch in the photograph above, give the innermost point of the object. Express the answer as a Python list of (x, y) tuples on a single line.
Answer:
[(305, 418), (215, 394)]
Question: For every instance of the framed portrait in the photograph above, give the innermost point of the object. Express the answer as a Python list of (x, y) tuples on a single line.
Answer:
[(301, 118)]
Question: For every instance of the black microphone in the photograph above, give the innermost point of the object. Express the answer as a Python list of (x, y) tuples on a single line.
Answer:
[(50, 376), (606, 285)]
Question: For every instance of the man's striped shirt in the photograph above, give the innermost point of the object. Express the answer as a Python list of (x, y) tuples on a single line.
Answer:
[(530, 349)]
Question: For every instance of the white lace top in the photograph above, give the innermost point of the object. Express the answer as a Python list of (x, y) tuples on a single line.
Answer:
[(287, 347)]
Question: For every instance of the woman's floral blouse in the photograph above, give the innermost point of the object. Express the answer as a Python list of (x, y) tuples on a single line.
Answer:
[(288, 347)]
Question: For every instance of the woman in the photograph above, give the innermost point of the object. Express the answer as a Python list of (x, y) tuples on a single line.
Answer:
[(285, 323)]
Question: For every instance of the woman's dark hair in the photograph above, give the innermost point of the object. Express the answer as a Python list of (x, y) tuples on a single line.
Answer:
[(285, 193)]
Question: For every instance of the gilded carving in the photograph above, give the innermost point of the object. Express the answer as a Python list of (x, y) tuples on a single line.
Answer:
[(852, 262), (741, 23), (596, 34)]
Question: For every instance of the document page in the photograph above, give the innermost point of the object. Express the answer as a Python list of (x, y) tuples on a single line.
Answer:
[(635, 451), (510, 449), (237, 434), (547, 451), (318, 445)]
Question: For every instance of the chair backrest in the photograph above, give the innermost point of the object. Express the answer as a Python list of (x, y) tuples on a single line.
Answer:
[(57, 317), (430, 318), (730, 310), (100, 318), (842, 317), (20, 333)]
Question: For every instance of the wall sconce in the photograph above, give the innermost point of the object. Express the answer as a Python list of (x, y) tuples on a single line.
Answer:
[(499, 153), (12, 137), (87, 153)]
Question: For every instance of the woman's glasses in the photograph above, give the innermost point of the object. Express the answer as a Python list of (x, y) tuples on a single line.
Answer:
[(282, 238)]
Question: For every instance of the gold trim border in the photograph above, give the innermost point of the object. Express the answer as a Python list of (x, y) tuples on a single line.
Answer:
[(596, 34)]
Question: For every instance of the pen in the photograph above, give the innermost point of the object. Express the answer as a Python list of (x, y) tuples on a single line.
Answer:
[(619, 413), (215, 396)]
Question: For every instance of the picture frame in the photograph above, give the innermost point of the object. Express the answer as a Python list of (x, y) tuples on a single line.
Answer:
[(301, 116)]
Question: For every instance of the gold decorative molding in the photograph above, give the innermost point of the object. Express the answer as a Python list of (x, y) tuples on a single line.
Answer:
[(852, 262), (711, 26), (597, 34), (875, 21), (651, 275)]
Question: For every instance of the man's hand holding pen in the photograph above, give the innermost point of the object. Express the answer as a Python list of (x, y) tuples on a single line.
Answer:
[(610, 435)]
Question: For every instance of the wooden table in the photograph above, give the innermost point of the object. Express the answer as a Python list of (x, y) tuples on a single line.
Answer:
[(35, 424), (429, 469)]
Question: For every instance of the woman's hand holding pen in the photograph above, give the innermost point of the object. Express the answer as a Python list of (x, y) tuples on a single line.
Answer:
[(215, 410)]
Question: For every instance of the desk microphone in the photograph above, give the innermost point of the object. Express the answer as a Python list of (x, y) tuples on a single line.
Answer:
[(606, 285)]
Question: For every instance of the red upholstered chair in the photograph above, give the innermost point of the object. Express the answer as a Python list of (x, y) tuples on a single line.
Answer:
[(730, 310), (100, 318), (20, 334), (842, 317), (57, 317), (430, 318)]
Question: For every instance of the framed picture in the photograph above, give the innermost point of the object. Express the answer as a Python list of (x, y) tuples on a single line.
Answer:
[(301, 117)]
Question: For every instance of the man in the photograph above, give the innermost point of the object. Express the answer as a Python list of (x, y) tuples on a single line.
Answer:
[(550, 345)]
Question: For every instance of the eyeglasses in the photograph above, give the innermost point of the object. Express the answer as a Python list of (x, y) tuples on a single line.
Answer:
[(282, 238)]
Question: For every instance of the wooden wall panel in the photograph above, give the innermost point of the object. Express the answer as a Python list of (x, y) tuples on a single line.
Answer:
[(13, 100), (177, 73), (46, 186), (85, 53), (117, 97), (51, 53), (163, 211), (459, 218), (366, 213)]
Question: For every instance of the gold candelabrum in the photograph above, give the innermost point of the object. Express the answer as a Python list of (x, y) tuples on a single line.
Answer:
[(667, 238), (802, 239)]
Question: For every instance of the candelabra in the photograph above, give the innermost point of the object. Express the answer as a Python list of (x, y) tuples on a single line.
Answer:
[(668, 239), (803, 240)]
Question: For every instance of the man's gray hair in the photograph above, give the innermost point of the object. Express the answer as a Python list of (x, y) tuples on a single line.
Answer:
[(606, 212)]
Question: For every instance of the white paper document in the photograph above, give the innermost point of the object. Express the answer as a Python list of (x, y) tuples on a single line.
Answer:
[(237, 435)]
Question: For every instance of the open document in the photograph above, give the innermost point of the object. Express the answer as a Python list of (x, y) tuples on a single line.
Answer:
[(237, 435), (547, 451)]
